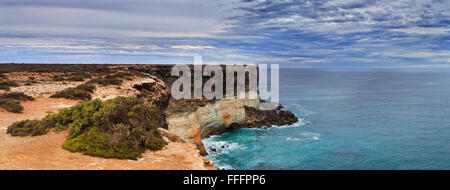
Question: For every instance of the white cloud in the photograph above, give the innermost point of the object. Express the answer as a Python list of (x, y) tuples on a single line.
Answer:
[(314, 61), (420, 54), (423, 30), (190, 47)]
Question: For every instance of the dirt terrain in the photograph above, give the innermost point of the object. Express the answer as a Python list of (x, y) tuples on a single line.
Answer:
[(45, 152)]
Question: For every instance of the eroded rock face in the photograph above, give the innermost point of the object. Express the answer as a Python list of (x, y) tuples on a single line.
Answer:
[(194, 120), (153, 90), (186, 120), (260, 118), (205, 120)]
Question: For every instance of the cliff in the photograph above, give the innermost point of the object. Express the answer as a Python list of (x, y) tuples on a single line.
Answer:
[(193, 120), (183, 123)]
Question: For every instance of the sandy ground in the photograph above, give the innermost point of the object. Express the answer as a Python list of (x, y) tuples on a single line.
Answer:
[(45, 86), (45, 152), (34, 110), (125, 89)]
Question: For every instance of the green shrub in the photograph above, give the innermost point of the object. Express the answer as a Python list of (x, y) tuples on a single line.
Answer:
[(96, 143), (86, 87), (72, 93), (5, 84), (58, 78), (80, 92), (8, 82), (26, 127), (76, 78), (16, 96), (122, 127), (11, 105), (106, 81)]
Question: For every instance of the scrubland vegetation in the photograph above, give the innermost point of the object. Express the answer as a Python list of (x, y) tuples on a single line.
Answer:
[(80, 92), (123, 127), (11, 105), (107, 80), (5, 84), (8, 101), (16, 96), (116, 128)]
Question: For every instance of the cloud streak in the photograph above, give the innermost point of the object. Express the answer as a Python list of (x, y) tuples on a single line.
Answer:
[(294, 33)]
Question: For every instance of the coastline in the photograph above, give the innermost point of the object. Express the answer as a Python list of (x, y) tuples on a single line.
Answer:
[(185, 123), (46, 153)]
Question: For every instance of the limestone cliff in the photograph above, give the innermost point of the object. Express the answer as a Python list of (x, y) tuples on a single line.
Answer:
[(193, 120), (185, 120)]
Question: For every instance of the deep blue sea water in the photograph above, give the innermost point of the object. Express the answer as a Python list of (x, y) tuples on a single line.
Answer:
[(350, 119)]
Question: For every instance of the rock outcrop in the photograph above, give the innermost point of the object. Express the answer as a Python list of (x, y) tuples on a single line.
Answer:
[(181, 121), (195, 120), (192, 120)]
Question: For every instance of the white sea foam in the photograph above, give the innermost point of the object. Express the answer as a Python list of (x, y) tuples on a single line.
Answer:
[(305, 137), (301, 122), (216, 147), (293, 139), (223, 166), (222, 147)]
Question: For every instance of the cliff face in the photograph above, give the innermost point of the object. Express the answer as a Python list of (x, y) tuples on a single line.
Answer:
[(193, 120), (206, 119), (185, 120)]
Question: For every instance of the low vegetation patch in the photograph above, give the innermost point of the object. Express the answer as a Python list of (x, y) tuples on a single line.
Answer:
[(16, 96), (71, 77), (25, 128), (80, 92), (5, 84), (11, 105), (76, 78), (58, 78), (107, 80), (116, 128), (2, 76), (8, 101), (121, 75)]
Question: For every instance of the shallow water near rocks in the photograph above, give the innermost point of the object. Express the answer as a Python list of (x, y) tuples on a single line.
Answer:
[(350, 119)]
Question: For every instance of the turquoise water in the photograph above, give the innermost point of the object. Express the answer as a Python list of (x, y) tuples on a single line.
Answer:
[(374, 119)]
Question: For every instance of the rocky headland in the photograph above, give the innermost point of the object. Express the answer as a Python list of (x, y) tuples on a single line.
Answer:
[(183, 123)]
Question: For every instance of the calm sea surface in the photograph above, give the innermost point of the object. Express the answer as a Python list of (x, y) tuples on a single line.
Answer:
[(350, 119)]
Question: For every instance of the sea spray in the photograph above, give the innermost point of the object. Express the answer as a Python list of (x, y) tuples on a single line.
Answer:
[(221, 148)]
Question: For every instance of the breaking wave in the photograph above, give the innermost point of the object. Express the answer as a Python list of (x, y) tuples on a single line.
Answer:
[(305, 137)]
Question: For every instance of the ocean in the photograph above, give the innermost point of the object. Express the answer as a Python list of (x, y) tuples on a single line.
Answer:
[(349, 119)]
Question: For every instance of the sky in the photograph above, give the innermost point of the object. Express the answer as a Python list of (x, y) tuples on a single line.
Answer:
[(292, 33)]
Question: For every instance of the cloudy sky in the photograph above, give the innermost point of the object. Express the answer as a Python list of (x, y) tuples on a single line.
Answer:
[(292, 33)]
